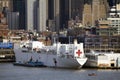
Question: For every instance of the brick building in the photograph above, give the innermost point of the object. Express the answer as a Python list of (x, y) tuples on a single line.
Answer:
[(94, 11)]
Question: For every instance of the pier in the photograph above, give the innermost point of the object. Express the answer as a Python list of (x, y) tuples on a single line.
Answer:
[(7, 55)]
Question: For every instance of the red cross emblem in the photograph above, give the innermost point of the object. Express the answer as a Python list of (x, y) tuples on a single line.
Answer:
[(79, 52)]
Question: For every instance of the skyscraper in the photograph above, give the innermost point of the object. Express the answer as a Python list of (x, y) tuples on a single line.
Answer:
[(70, 9), (5, 7), (93, 11), (54, 14), (30, 6), (13, 20), (99, 10), (76, 8), (36, 14), (19, 6), (42, 14), (5, 3), (60, 11), (87, 15)]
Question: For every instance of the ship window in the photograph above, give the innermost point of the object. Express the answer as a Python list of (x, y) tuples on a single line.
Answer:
[(92, 57)]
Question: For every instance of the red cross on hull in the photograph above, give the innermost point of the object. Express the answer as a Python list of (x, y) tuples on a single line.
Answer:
[(78, 52)]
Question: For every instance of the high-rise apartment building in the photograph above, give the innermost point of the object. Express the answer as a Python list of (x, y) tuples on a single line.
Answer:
[(93, 11), (5, 7), (5, 3), (114, 18), (87, 15), (98, 10)]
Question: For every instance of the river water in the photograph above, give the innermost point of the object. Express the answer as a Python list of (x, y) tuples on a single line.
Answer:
[(10, 72)]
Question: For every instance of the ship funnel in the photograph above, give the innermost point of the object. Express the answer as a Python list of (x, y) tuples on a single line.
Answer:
[(75, 41)]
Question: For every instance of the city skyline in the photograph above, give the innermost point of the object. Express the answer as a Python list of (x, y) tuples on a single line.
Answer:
[(54, 14)]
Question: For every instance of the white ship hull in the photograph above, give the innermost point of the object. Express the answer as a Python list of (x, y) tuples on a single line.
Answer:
[(49, 58)]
